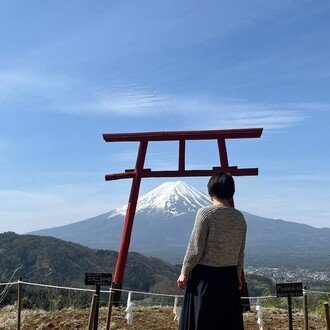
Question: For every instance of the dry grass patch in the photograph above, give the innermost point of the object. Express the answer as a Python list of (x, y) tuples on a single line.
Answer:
[(144, 318)]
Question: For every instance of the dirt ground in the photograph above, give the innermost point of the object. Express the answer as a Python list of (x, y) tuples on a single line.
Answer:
[(143, 318)]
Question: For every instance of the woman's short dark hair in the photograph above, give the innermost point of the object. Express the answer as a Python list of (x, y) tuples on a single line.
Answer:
[(221, 186)]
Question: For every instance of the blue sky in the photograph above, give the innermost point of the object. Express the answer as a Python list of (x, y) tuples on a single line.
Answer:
[(72, 70)]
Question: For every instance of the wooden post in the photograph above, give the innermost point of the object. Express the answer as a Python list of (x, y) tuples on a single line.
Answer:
[(305, 306), (92, 312), (290, 312), (326, 315), (110, 304), (97, 305), (19, 303)]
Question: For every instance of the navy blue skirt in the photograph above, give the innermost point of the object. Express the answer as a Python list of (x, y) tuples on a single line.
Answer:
[(212, 300)]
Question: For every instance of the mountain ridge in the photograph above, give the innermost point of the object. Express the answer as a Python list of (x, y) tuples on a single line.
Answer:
[(164, 220)]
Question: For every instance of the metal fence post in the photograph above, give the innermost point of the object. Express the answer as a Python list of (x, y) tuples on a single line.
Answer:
[(305, 306), (19, 303)]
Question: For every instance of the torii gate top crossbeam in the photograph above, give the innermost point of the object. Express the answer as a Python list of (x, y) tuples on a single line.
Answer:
[(182, 136), (186, 135)]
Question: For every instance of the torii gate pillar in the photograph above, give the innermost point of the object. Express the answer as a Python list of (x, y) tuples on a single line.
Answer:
[(140, 172)]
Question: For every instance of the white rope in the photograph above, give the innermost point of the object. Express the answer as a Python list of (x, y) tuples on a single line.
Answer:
[(261, 297), (135, 292), (148, 293), (129, 309), (59, 287), (8, 283), (176, 310), (89, 290), (318, 292)]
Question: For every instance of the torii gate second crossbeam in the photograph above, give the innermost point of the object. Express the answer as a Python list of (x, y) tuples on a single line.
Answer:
[(140, 172)]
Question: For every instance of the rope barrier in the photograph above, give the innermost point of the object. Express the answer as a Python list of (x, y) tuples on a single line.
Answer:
[(318, 292), (57, 287), (91, 290), (8, 283), (149, 293), (261, 297), (176, 309), (132, 291)]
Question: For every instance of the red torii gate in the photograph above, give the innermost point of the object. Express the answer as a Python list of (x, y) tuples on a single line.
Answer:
[(140, 172)]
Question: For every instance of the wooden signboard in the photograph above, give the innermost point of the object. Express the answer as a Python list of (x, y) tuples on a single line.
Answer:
[(289, 290), (294, 289), (98, 279)]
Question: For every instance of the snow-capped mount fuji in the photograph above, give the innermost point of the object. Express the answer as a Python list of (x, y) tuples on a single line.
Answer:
[(164, 220), (168, 199)]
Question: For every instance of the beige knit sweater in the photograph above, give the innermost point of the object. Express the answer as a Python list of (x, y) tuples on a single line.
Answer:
[(217, 239)]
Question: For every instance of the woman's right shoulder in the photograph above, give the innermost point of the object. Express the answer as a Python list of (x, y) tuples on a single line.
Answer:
[(239, 216)]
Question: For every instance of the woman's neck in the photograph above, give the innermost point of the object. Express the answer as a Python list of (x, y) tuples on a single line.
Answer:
[(220, 202)]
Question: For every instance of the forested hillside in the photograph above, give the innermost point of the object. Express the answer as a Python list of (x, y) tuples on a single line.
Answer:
[(50, 260), (53, 261)]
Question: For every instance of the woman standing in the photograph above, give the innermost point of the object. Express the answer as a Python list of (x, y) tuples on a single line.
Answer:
[(213, 263)]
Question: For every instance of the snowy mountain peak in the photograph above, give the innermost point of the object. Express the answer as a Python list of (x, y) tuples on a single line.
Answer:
[(170, 198)]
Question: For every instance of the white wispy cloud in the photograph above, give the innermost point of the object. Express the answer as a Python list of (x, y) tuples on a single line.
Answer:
[(205, 112), (127, 102), (61, 93), (31, 91), (236, 113)]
